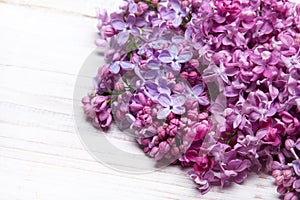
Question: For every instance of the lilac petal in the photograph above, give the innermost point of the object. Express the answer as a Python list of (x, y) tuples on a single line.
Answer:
[(164, 100), (103, 115), (203, 101), (241, 177), (164, 90), (178, 110), (173, 49), (244, 165), (259, 69), (153, 64), (131, 19), (133, 7), (229, 173), (123, 37), (176, 6), (126, 65), (254, 116), (178, 100), (184, 57), (177, 39), (151, 74), (197, 90), (266, 28), (165, 57), (118, 24), (273, 91), (135, 31), (177, 21), (237, 121), (272, 111), (114, 68), (163, 113), (167, 14), (176, 66), (151, 87)]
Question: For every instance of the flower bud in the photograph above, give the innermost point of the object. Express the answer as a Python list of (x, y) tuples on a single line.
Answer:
[(290, 196), (287, 174), (279, 180), (164, 147), (194, 63), (109, 31), (153, 151), (154, 2), (281, 189), (276, 173), (143, 6), (184, 3), (119, 86), (297, 37), (179, 88)]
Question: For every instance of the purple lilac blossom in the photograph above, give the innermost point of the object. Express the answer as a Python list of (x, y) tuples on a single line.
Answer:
[(250, 49)]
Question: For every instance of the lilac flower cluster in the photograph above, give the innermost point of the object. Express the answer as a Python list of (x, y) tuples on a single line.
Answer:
[(161, 54)]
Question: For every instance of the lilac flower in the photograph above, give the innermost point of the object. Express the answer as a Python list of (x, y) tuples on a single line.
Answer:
[(125, 28), (118, 65), (258, 106), (180, 13), (197, 91), (173, 103), (163, 17), (236, 169), (103, 118), (175, 57), (203, 164), (296, 166), (204, 181), (216, 74), (161, 87)]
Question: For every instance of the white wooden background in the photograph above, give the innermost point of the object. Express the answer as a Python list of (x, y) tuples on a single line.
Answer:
[(43, 44)]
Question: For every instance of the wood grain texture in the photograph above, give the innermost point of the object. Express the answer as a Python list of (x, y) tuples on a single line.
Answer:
[(43, 45)]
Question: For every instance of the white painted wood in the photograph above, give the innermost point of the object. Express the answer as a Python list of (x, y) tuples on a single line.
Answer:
[(42, 47)]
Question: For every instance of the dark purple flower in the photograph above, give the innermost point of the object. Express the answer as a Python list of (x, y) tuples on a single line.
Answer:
[(203, 164)]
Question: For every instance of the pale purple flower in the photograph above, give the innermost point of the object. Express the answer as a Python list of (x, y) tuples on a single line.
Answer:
[(179, 14), (175, 57), (296, 166), (118, 65), (198, 93), (163, 17), (161, 86), (125, 28), (173, 103)]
